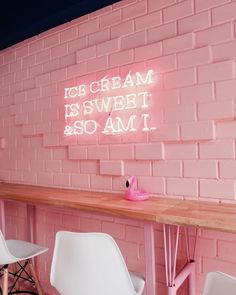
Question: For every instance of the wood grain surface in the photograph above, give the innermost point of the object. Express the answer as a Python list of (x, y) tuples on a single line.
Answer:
[(207, 215)]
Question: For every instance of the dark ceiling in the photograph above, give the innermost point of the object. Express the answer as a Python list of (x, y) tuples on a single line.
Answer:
[(23, 19)]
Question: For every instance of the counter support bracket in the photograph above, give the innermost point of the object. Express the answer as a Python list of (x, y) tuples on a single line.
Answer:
[(174, 281)]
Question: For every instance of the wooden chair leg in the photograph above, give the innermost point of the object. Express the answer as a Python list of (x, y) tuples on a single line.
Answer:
[(35, 277), (5, 281)]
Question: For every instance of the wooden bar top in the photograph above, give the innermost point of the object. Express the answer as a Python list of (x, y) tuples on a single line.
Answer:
[(207, 215)]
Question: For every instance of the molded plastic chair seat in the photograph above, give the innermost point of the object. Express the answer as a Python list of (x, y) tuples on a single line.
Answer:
[(219, 283), (91, 263), (15, 251)]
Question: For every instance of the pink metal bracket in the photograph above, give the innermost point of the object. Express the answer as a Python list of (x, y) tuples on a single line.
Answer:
[(171, 240)]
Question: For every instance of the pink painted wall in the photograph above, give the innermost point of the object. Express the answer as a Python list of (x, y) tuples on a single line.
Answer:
[(191, 44)]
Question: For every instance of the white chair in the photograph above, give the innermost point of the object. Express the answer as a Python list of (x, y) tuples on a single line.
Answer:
[(19, 253), (219, 283), (91, 264)]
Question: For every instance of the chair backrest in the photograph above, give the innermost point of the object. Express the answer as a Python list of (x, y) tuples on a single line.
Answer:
[(219, 283), (5, 256), (89, 264)]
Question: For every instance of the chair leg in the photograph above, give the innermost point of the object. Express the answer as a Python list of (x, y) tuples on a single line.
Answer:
[(35, 277), (5, 280)]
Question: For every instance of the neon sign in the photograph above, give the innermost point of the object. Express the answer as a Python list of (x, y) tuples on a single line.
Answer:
[(117, 105)]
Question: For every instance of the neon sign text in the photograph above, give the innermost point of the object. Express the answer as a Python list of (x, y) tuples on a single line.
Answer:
[(122, 111)]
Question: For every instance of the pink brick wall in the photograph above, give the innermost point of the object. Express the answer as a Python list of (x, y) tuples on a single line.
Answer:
[(191, 44)]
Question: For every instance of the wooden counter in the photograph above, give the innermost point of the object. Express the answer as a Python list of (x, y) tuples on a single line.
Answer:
[(207, 215)]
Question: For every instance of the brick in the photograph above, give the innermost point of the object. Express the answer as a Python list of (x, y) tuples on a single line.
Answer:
[(178, 10), (77, 152), (194, 57), (134, 234), (167, 168), (148, 21), (162, 32), (222, 189), (225, 89), (134, 10), (206, 247), (180, 78), (155, 5), (121, 58), (109, 19), (214, 35), (154, 185), (227, 169), (88, 27), (114, 229), (51, 65), (124, 151), (165, 63), (125, 28), (60, 153), (98, 152), (226, 251), (68, 34), (181, 151), (35, 46), (108, 47), (90, 225), (43, 80), (77, 44), (215, 72), (194, 23), (59, 75), (216, 110), (180, 113), (134, 40), (111, 167), (224, 13), (45, 178), (201, 169), (61, 179), (80, 180), (148, 51), (182, 187), (97, 64), (22, 51), (198, 93), (68, 60), (43, 56), (77, 70), (224, 51), (70, 166), (9, 56), (203, 130), (220, 149), (53, 165), (36, 70), (166, 132), (59, 50), (101, 182), (207, 4), (51, 140), (137, 168), (85, 54), (89, 167), (51, 40), (98, 37), (149, 151), (178, 43), (226, 130), (28, 61)]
